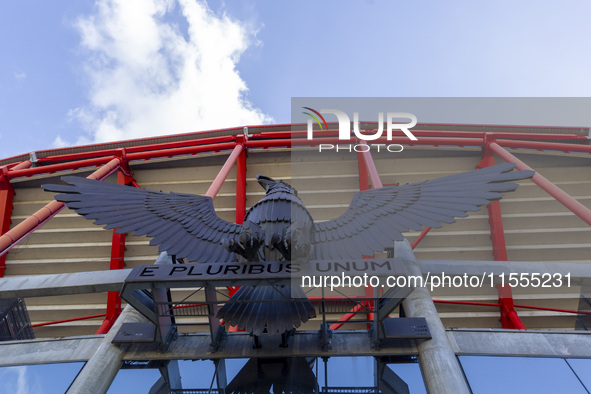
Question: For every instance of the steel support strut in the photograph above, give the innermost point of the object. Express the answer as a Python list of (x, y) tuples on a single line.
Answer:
[(560, 195), (440, 367), (422, 235), (219, 180)]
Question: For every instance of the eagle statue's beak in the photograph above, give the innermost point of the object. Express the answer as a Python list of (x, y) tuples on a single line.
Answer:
[(265, 181)]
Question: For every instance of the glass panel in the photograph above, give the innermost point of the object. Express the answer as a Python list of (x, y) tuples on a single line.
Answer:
[(197, 374), (520, 374), (134, 381), (582, 368), (295, 374), (411, 374), (140, 376), (347, 372), (42, 378)]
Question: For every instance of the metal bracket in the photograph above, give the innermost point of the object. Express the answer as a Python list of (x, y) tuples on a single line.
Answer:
[(285, 338), (217, 339), (325, 335)]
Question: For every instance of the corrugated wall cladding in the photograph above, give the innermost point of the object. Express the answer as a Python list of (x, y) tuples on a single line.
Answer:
[(537, 228)]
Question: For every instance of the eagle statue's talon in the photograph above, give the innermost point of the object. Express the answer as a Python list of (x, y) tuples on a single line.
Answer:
[(283, 245), (247, 243)]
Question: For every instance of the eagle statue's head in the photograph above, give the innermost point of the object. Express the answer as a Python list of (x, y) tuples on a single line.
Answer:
[(271, 185)]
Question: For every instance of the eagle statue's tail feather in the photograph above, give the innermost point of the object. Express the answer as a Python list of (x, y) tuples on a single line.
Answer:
[(282, 309)]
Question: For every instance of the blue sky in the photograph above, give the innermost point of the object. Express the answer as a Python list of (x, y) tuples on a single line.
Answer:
[(93, 71)]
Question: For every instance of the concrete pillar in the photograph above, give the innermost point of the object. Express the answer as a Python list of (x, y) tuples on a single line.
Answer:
[(441, 369), (98, 373)]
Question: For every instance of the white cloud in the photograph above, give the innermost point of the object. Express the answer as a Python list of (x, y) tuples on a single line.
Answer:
[(59, 142), (19, 75), (148, 76), (15, 380)]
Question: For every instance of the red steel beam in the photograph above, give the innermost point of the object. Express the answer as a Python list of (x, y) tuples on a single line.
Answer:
[(542, 308), (191, 150), (58, 167), (27, 226), (21, 166), (432, 133), (219, 180), (164, 145), (561, 196), (420, 237), (512, 136), (348, 316), (49, 323), (137, 149), (462, 138), (538, 145), (136, 153), (495, 304), (430, 141), (462, 142)]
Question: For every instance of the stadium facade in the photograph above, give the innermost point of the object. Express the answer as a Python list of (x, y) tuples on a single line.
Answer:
[(524, 324)]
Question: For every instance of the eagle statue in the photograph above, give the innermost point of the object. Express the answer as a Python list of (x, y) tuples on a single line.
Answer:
[(279, 227)]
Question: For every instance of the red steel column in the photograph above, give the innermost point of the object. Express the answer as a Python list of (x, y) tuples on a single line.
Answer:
[(6, 198), (362, 170), (495, 219), (240, 192), (124, 177), (376, 183), (509, 318)]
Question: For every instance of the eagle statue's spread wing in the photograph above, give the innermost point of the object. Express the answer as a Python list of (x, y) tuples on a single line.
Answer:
[(184, 225), (377, 217)]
